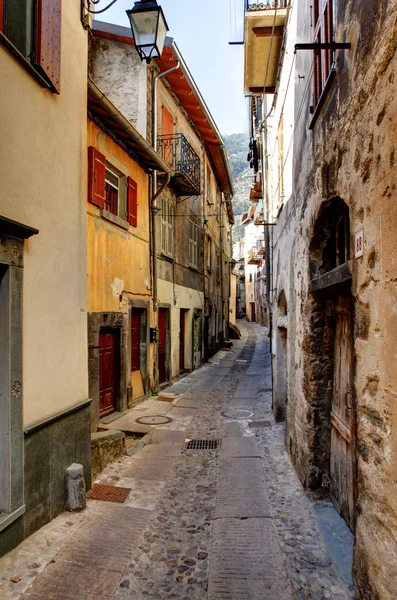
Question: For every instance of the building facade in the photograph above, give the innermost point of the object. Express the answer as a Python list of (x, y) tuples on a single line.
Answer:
[(328, 132), (43, 384)]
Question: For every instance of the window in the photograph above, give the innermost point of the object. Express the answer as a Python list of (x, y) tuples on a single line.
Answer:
[(193, 244), (167, 227), (33, 27), (208, 188), (209, 254), (112, 184), (323, 33), (110, 189)]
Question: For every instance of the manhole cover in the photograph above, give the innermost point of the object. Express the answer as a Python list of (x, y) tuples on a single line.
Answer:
[(109, 493), (237, 413), (259, 424), (202, 444), (153, 420)]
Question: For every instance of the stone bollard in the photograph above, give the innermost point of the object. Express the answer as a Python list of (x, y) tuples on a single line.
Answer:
[(75, 488)]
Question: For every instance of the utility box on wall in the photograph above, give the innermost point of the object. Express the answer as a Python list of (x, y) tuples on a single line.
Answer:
[(154, 334)]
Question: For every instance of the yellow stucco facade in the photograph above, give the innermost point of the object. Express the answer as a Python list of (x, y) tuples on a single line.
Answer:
[(43, 175)]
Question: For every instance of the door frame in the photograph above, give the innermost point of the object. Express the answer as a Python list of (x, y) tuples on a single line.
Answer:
[(144, 307), (118, 322), (167, 308)]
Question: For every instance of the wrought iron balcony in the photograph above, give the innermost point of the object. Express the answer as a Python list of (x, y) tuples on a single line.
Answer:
[(264, 4), (178, 153)]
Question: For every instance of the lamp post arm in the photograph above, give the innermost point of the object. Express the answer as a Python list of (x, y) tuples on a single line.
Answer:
[(97, 12)]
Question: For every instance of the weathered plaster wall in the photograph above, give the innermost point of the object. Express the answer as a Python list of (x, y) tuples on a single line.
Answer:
[(118, 71), (350, 153), (43, 180), (118, 259)]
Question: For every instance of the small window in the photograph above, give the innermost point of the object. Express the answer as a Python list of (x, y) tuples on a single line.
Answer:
[(208, 186), (193, 244), (167, 227), (33, 27), (209, 253), (323, 33), (250, 278), (112, 185)]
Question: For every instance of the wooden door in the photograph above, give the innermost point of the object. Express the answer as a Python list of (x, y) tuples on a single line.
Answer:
[(182, 341), (135, 340), (107, 387), (162, 345), (253, 315), (343, 413)]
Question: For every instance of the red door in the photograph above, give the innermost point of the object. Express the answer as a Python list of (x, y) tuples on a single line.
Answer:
[(162, 345), (135, 340), (182, 341), (107, 392)]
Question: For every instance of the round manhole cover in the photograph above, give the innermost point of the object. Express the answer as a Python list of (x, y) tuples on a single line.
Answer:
[(237, 413), (153, 420)]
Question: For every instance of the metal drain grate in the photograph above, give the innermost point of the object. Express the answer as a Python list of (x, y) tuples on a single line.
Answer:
[(109, 493), (202, 444)]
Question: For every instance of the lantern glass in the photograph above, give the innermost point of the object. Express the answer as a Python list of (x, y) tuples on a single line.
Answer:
[(149, 29)]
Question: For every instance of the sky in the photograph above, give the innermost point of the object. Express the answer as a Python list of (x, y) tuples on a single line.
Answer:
[(202, 30)]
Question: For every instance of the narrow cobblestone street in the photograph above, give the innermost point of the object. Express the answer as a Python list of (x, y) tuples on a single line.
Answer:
[(231, 523)]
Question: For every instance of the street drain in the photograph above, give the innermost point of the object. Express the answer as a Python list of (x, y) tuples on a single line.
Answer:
[(237, 413), (153, 420), (109, 493), (202, 444), (259, 424)]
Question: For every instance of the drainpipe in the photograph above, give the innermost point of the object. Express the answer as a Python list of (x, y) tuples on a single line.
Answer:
[(156, 192)]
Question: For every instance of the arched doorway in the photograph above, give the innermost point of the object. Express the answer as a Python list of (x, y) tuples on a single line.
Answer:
[(329, 363), (280, 398)]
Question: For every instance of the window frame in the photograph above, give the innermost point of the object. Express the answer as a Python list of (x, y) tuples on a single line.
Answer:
[(193, 244), (167, 217), (323, 60), (41, 54)]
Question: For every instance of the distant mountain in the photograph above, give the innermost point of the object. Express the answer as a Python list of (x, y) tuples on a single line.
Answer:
[(237, 150)]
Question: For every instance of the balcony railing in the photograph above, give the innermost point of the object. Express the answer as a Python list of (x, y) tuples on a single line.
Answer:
[(253, 256), (251, 5), (178, 153)]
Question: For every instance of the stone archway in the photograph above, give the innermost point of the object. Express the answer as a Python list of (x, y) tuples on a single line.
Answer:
[(280, 394), (329, 361)]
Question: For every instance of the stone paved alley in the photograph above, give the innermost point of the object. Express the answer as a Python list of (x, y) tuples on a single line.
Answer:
[(232, 523)]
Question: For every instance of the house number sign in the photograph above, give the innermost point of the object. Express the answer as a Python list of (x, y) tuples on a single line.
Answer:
[(359, 244)]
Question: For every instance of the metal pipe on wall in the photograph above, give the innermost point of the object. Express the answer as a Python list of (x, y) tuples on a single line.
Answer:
[(154, 208)]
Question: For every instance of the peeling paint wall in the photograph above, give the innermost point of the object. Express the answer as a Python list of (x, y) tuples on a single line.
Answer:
[(349, 153)]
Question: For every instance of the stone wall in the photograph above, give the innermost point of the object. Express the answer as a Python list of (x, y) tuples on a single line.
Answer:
[(349, 153)]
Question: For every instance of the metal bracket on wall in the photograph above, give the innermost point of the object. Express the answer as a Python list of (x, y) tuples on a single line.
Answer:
[(323, 46)]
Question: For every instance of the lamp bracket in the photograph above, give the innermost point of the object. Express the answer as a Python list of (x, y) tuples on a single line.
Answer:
[(95, 2)]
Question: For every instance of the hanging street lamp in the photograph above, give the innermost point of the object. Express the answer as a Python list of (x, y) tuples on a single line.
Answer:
[(149, 29)]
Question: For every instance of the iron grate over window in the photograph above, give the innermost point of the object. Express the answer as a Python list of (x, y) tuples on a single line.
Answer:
[(202, 444)]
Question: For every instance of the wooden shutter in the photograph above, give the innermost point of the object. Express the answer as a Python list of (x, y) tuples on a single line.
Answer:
[(1, 15), (132, 202), (96, 177), (48, 40), (167, 125)]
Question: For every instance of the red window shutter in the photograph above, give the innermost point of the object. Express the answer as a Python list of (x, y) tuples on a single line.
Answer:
[(132, 202), (1, 15), (48, 40), (96, 177)]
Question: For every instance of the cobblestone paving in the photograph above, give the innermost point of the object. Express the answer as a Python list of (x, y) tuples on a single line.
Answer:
[(191, 543)]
